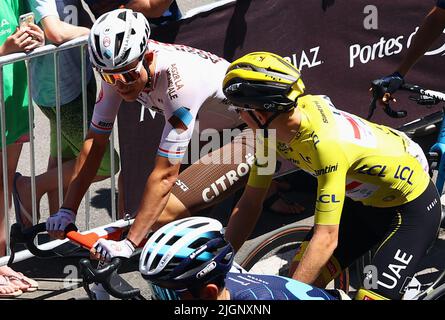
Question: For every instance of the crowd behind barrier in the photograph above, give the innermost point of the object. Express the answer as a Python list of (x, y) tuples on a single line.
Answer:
[(80, 44)]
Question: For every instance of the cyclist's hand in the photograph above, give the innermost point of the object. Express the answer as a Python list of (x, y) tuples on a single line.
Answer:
[(106, 250), (391, 83), (57, 223)]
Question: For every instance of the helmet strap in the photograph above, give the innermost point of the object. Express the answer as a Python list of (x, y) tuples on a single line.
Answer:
[(147, 69), (264, 126)]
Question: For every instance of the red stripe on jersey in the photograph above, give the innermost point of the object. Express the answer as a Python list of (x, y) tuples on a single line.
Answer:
[(354, 125), (174, 152), (352, 185)]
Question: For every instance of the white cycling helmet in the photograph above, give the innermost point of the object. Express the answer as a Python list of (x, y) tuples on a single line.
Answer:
[(118, 38), (186, 253)]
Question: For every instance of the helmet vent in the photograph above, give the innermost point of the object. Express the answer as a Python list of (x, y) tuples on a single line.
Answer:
[(103, 18), (199, 225), (172, 240), (97, 44), (155, 260), (122, 15), (198, 243), (119, 39), (126, 54)]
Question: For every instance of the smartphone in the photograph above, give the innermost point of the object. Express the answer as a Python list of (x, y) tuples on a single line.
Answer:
[(26, 19)]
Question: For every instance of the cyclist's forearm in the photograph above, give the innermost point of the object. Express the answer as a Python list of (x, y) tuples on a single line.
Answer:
[(245, 216), (154, 200), (85, 170), (428, 32), (315, 257)]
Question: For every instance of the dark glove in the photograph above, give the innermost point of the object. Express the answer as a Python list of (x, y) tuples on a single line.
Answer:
[(393, 82)]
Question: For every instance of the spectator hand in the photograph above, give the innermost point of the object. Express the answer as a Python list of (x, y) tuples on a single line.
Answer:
[(106, 250), (16, 42), (57, 223), (38, 37)]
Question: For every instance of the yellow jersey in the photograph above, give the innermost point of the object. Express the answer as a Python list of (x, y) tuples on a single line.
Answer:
[(351, 157)]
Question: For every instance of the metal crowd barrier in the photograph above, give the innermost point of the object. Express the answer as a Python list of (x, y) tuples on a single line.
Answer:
[(80, 43)]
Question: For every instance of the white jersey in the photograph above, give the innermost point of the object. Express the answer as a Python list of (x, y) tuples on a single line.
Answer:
[(187, 85)]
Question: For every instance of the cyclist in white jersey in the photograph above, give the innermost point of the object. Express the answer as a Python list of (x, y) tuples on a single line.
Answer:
[(181, 82)]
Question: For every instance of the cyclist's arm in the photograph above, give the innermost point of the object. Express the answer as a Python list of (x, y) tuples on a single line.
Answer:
[(328, 209), (155, 197), (317, 254), (247, 210), (431, 28), (178, 130), (150, 8)]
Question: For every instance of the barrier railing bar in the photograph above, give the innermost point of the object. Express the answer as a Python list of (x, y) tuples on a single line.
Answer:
[(85, 122), (59, 128), (4, 161), (41, 51), (113, 178), (31, 143)]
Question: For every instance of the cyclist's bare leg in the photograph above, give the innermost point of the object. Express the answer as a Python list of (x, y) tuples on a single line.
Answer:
[(174, 210)]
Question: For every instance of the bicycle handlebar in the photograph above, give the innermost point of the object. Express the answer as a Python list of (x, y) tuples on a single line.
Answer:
[(104, 276), (425, 97), (89, 273)]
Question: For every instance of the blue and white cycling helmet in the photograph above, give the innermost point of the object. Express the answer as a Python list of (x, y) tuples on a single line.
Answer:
[(186, 253)]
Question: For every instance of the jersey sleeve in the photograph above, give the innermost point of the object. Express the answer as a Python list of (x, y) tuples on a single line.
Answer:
[(105, 110), (178, 131), (43, 9), (332, 167), (261, 174), (181, 106)]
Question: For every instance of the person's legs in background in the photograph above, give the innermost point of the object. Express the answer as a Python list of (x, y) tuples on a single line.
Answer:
[(11, 281), (72, 141)]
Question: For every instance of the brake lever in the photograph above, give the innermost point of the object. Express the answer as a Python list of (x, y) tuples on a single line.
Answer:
[(104, 276), (424, 100)]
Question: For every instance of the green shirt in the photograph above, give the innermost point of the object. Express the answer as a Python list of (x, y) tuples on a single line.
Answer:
[(15, 84)]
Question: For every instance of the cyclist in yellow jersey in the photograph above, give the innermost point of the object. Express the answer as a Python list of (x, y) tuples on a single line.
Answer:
[(373, 188)]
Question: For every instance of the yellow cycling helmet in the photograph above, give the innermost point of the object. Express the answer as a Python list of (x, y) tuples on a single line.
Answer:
[(263, 81)]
